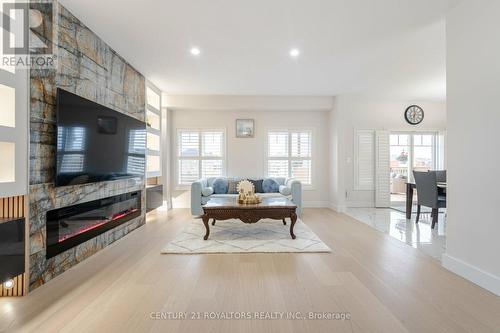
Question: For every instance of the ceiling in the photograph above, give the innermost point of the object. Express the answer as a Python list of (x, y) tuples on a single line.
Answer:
[(384, 47)]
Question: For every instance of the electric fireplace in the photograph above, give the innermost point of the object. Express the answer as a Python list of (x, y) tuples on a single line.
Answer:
[(69, 226)]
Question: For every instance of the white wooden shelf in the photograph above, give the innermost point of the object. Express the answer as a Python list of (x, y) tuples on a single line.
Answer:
[(153, 118)]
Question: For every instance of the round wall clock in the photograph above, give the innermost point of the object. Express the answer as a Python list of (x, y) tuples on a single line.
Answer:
[(414, 114)]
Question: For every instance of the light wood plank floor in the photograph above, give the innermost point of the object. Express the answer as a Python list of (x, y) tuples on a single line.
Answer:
[(385, 285)]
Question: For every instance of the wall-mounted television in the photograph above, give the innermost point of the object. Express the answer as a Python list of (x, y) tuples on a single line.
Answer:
[(96, 143)]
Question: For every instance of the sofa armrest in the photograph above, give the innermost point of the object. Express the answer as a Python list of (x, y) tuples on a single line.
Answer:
[(285, 190), (296, 189), (196, 188)]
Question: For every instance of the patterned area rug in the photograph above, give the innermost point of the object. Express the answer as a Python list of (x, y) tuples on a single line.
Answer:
[(234, 236)]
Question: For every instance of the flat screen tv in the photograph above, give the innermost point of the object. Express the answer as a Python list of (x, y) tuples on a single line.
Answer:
[(96, 143)]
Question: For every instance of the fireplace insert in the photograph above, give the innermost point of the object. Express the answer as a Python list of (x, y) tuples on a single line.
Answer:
[(69, 226)]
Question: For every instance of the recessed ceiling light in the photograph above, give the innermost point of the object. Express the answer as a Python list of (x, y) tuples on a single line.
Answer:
[(294, 53), (195, 51)]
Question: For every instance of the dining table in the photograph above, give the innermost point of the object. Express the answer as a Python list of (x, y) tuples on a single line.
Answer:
[(410, 189)]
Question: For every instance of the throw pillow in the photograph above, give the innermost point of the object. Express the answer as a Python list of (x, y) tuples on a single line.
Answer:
[(258, 185), (269, 185), (220, 186), (285, 190), (207, 191), (231, 188)]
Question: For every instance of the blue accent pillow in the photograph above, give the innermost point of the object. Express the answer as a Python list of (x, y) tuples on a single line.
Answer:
[(257, 183), (220, 186), (269, 185)]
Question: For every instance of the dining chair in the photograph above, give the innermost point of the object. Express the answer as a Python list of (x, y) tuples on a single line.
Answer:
[(441, 176), (428, 194)]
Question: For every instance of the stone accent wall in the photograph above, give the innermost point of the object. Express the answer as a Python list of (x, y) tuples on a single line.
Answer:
[(88, 67)]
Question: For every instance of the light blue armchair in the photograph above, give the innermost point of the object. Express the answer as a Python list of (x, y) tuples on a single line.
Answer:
[(201, 192)]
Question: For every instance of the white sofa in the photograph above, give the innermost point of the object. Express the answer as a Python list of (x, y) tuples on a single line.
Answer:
[(289, 187)]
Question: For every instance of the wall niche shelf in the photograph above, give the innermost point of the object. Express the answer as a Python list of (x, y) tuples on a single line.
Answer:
[(13, 131)]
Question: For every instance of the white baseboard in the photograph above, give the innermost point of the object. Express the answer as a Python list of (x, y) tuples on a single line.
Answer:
[(337, 208), (316, 204), (483, 279)]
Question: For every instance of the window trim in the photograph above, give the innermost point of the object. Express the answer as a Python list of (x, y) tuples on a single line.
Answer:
[(184, 186), (289, 130)]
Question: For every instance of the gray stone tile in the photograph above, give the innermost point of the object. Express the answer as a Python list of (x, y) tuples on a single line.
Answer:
[(90, 68)]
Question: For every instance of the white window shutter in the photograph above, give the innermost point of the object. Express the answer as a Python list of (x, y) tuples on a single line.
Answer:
[(188, 171), (301, 170), (200, 154), (300, 144), (301, 153), (277, 168), (278, 144), (211, 168), (189, 144), (212, 144), (382, 169), (364, 160), (290, 155)]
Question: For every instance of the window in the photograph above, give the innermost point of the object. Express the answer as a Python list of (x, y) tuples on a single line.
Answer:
[(200, 154), (289, 154), (423, 152), (399, 154)]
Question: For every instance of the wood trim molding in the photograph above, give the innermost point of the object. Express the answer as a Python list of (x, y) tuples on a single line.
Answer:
[(15, 207), (17, 290), (12, 206)]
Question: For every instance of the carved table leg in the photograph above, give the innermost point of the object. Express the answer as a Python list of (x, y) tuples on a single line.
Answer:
[(213, 222), (293, 217), (205, 219), (284, 222)]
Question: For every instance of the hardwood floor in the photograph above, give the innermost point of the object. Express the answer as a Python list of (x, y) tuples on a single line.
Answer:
[(385, 286)]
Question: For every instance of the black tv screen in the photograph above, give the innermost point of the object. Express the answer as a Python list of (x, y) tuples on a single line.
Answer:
[(96, 143)]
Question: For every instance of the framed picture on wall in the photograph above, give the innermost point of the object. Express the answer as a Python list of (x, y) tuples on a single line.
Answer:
[(244, 128)]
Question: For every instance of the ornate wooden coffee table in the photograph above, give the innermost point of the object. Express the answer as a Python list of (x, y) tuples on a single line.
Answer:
[(229, 208)]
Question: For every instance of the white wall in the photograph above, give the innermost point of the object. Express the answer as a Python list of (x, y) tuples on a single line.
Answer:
[(473, 84), (353, 112), (246, 157)]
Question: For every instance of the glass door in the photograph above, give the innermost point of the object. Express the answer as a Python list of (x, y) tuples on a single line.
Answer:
[(409, 151), (400, 154), (424, 157)]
